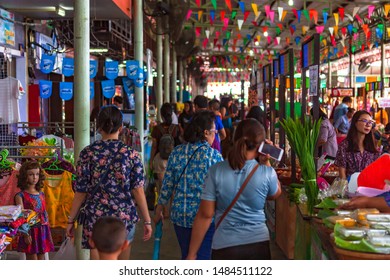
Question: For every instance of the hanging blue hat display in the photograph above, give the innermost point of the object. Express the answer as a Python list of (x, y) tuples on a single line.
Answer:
[(111, 69), (68, 66), (139, 81), (108, 88), (93, 65), (45, 88), (91, 90), (132, 69), (128, 85), (66, 90), (47, 63)]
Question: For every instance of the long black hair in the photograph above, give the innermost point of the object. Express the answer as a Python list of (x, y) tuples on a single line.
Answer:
[(166, 113), (200, 122), (352, 139)]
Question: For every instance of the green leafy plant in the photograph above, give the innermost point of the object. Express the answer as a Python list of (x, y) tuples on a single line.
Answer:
[(303, 140)]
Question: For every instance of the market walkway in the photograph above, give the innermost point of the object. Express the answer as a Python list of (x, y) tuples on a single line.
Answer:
[(170, 249)]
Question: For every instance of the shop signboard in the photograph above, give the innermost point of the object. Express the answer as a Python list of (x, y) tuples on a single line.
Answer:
[(313, 75), (7, 28), (384, 102), (341, 92)]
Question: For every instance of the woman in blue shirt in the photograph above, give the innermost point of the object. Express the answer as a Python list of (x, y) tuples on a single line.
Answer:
[(186, 170), (243, 234)]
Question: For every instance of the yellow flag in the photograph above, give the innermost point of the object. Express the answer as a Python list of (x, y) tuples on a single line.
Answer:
[(388, 31), (336, 30), (255, 10), (200, 13), (258, 38), (304, 29), (387, 9), (336, 18), (324, 42)]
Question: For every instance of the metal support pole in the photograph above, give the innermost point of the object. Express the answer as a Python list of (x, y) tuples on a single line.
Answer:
[(159, 86), (383, 58), (181, 78), (81, 91), (166, 68), (139, 56), (174, 75)]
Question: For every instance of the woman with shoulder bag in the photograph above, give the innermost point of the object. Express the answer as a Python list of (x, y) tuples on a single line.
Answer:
[(110, 182), (236, 191), (187, 167)]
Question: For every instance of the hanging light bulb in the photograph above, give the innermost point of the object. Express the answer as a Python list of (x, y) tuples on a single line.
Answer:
[(291, 2), (266, 34)]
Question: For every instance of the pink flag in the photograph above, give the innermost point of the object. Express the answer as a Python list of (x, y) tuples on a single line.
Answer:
[(272, 15), (371, 8), (359, 18), (295, 13), (320, 29), (217, 34), (198, 30), (269, 39), (267, 9), (188, 14), (205, 41), (198, 3), (225, 23)]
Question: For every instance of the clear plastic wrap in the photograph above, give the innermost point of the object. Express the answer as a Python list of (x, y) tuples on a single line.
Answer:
[(383, 241), (379, 225), (372, 232), (351, 233), (378, 217)]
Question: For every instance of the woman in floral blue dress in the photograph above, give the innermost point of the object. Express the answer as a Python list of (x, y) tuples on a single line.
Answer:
[(116, 172)]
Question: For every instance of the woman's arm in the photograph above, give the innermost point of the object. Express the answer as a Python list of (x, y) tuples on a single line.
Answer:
[(19, 201), (139, 196), (76, 204), (342, 173), (201, 225), (367, 202), (222, 134), (277, 194)]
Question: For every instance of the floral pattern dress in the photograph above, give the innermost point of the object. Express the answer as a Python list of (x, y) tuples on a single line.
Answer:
[(117, 169)]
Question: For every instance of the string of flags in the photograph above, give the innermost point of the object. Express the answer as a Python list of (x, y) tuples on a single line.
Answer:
[(275, 19)]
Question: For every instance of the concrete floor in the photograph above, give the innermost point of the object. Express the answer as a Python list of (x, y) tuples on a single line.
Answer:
[(170, 249)]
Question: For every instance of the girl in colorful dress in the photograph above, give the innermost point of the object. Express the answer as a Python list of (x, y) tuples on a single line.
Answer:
[(38, 241)]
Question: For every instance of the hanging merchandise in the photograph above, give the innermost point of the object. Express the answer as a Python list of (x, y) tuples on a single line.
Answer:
[(132, 69), (66, 90), (93, 65), (45, 88), (47, 63), (111, 69), (68, 66), (91, 90), (139, 81), (108, 88)]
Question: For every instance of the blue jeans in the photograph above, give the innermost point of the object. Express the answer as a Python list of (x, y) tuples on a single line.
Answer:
[(184, 236)]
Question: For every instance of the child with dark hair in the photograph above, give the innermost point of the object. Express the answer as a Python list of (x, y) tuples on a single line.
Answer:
[(38, 241), (109, 238)]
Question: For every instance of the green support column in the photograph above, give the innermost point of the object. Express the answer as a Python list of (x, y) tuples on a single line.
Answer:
[(166, 69), (181, 78), (139, 56), (174, 75), (81, 91), (159, 83)]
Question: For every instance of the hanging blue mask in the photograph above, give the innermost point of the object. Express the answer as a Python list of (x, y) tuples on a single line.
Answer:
[(91, 90), (45, 88), (108, 88), (68, 66), (132, 69), (66, 90), (47, 63), (93, 65), (111, 69)]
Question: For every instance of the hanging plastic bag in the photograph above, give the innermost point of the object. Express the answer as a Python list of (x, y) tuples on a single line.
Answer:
[(67, 250)]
